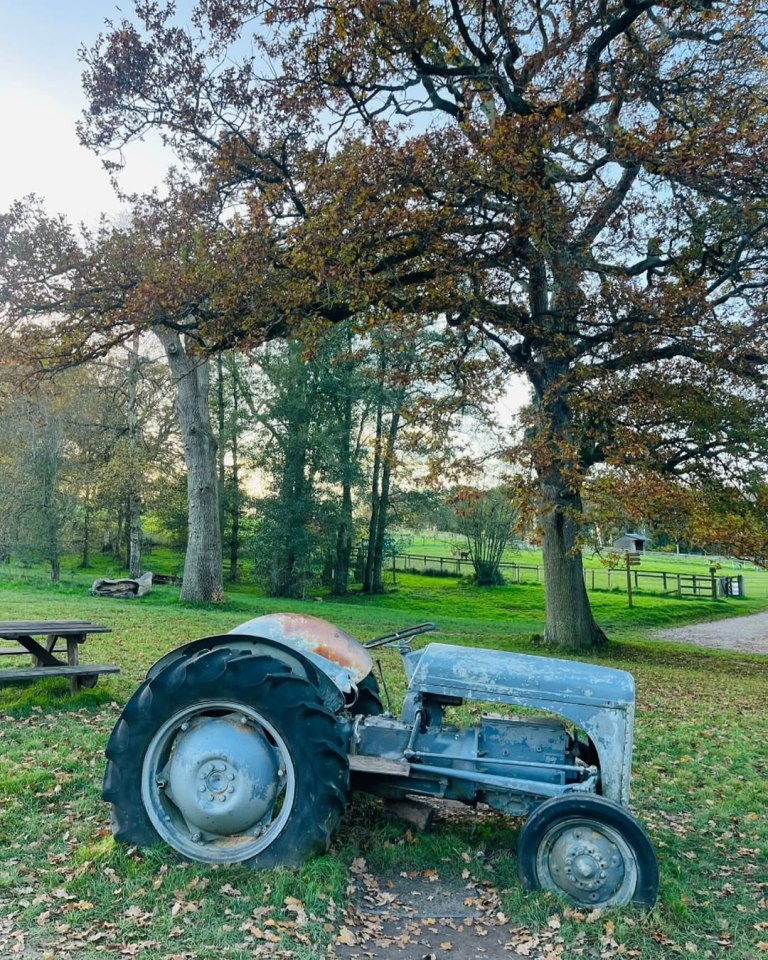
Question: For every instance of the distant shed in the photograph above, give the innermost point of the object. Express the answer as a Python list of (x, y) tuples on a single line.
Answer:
[(631, 541)]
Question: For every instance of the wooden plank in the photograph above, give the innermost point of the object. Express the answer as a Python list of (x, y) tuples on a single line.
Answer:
[(390, 768), (40, 673), (13, 628), (44, 624), (18, 651)]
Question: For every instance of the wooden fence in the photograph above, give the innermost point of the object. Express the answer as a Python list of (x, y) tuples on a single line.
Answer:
[(680, 584)]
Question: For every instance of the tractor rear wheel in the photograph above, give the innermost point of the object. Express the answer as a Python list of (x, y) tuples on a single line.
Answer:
[(228, 758), (590, 851), (368, 703)]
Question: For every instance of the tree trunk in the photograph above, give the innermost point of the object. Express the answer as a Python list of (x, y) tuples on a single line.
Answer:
[(234, 508), (343, 552), (134, 495), (85, 560), (134, 535), (369, 583), (222, 425), (569, 620), (49, 469), (203, 577), (381, 516), (117, 545), (290, 564), (560, 460)]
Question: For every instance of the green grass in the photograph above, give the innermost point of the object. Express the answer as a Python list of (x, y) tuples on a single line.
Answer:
[(700, 773)]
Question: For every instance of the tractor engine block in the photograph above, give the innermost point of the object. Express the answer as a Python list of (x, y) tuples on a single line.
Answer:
[(490, 762)]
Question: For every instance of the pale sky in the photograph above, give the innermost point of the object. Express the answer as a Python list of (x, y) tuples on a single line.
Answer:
[(40, 103)]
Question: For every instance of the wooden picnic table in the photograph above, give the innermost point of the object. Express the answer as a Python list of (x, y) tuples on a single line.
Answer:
[(73, 633)]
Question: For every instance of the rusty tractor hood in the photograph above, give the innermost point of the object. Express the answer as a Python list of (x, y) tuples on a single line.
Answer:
[(599, 700), (342, 658)]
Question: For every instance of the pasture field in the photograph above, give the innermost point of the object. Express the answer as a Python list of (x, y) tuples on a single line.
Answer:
[(441, 544), (68, 891), (419, 551)]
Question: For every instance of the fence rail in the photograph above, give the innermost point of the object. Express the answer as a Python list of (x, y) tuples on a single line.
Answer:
[(656, 581)]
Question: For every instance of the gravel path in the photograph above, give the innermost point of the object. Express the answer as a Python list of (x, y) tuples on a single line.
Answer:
[(745, 634)]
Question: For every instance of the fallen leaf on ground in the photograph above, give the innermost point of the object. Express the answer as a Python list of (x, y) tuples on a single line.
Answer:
[(346, 937)]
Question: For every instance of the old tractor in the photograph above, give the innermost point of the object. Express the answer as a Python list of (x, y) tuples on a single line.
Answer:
[(241, 749)]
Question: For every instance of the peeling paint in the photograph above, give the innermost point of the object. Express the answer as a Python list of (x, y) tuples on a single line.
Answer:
[(315, 637)]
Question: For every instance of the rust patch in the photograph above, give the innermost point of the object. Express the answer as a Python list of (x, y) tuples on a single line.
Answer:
[(309, 634)]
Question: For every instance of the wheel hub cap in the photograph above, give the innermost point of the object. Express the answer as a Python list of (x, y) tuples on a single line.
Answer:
[(585, 864), (223, 776)]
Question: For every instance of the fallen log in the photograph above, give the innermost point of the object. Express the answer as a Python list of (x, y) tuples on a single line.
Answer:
[(125, 588)]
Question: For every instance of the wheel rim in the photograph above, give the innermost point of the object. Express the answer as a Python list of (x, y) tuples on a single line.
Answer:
[(218, 782), (588, 862)]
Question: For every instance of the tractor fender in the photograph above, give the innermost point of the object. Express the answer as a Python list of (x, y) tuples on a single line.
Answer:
[(298, 662), (332, 650)]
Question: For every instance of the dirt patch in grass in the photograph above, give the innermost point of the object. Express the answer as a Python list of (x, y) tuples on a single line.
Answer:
[(417, 914)]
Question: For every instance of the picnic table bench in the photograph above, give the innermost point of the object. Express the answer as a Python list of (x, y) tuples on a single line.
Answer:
[(73, 633)]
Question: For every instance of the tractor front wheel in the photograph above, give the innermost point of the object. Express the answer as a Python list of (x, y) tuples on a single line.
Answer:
[(228, 758), (590, 851)]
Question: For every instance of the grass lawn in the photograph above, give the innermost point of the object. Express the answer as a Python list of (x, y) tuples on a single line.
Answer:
[(66, 890)]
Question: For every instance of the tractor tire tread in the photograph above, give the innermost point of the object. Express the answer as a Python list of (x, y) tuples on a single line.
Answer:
[(256, 680)]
